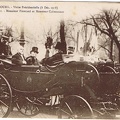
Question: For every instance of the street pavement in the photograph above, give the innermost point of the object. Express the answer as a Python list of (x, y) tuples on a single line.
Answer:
[(45, 114), (16, 114)]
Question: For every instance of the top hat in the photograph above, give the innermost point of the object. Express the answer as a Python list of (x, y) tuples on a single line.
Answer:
[(34, 49)]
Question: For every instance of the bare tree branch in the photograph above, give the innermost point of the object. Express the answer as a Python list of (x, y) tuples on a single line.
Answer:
[(104, 48), (102, 31)]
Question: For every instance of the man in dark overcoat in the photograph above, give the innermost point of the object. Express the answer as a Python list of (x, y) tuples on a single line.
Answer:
[(19, 58)]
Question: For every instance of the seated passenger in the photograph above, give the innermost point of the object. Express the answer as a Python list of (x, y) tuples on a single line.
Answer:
[(57, 58), (19, 58), (32, 59)]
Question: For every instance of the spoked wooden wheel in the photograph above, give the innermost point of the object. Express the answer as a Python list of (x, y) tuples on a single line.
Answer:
[(107, 69), (26, 106), (5, 97), (74, 107)]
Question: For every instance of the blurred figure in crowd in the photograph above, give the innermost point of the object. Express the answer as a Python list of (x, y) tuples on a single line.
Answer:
[(48, 45)]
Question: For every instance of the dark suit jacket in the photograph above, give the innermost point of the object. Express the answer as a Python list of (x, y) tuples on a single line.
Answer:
[(17, 59), (51, 60)]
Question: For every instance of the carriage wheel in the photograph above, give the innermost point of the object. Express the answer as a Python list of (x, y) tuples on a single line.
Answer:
[(74, 107), (27, 107), (5, 97), (107, 69)]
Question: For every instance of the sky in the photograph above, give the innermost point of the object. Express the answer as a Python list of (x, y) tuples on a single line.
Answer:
[(37, 24)]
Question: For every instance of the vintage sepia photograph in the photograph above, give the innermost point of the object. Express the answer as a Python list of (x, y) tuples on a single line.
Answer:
[(60, 60)]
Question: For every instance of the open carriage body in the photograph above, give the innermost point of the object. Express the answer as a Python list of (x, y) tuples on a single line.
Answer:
[(79, 89)]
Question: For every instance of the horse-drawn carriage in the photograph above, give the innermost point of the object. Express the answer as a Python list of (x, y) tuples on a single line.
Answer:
[(79, 89)]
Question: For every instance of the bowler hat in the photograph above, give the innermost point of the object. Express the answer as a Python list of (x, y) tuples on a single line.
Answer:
[(34, 49)]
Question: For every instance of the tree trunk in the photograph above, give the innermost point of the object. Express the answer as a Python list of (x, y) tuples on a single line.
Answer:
[(62, 37), (111, 50)]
